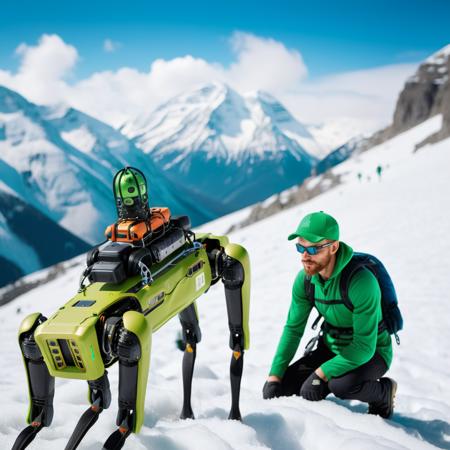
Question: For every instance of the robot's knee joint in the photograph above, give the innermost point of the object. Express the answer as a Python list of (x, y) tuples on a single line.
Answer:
[(191, 334), (236, 338), (233, 273), (128, 347), (28, 345), (30, 349)]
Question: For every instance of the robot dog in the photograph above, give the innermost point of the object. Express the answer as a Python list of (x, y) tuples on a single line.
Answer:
[(151, 268)]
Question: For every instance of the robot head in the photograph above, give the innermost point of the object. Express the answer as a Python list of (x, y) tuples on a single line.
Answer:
[(131, 195)]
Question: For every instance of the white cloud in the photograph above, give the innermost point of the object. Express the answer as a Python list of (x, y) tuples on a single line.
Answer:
[(260, 63), (264, 64), (110, 46), (369, 96), (43, 69)]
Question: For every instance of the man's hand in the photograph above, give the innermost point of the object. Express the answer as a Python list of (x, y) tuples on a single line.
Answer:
[(274, 378), (320, 373), (272, 387), (314, 388)]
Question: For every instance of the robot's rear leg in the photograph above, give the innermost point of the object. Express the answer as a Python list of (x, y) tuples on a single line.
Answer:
[(40, 384), (191, 336), (236, 279)]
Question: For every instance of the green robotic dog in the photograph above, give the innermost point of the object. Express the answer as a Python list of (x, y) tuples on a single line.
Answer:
[(151, 268)]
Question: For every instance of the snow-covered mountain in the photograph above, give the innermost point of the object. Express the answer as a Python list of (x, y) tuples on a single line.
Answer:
[(235, 149), (387, 217), (29, 240), (58, 164), (111, 149), (55, 177), (66, 161), (340, 154)]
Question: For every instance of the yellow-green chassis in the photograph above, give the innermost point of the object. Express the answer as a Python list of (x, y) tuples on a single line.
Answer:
[(151, 306)]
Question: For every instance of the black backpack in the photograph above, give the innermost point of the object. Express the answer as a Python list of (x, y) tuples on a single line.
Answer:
[(392, 318)]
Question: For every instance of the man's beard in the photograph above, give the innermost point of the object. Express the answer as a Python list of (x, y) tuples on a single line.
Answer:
[(313, 267)]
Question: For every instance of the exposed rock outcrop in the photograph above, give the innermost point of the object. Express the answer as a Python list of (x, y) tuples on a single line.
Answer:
[(424, 95)]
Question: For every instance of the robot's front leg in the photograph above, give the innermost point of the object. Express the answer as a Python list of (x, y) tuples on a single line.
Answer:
[(40, 384), (133, 350), (100, 398), (236, 279), (191, 337)]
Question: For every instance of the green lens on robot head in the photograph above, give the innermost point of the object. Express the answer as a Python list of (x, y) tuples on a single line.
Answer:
[(130, 184), (131, 194)]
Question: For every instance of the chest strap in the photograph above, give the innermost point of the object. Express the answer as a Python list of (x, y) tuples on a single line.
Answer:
[(345, 331), (326, 327)]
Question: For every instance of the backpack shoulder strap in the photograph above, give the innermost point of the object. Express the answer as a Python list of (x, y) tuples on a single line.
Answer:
[(309, 290), (353, 266)]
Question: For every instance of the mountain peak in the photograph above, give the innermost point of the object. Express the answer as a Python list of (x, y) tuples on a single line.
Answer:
[(262, 96), (213, 86), (439, 57), (56, 111), (11, 101)]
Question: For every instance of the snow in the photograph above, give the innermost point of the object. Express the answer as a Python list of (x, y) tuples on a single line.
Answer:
[(81, 218), (80, 138), (334, 133), (217, 120), (401, 218), (222, 224), (439, 57)]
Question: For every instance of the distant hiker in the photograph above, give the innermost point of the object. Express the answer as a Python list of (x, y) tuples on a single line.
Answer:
[(379, 170), (353, 351), (359, 176)]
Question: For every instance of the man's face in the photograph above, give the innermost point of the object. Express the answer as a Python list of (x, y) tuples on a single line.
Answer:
[(315, 263)]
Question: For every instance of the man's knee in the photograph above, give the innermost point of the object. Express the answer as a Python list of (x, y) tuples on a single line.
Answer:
[(343, 387)]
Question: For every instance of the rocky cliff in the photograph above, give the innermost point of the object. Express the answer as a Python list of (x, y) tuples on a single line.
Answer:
[(424, 95)]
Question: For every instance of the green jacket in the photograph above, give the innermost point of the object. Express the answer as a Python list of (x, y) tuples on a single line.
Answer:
[(351, 351)]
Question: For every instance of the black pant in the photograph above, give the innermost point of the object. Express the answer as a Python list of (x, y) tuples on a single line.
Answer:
[(358, 384)]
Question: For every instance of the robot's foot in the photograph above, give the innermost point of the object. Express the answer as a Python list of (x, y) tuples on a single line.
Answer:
[(87, 420), (27, 435), (117, 439), (187, 412), (235, 414)]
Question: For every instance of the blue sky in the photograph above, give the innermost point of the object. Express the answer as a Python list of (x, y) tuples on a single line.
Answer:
[(337, 63), (331, 36)]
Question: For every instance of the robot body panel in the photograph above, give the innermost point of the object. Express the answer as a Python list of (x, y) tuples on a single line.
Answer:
[(68, 339)]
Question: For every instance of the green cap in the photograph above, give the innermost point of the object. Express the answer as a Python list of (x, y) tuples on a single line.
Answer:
[(316, 227)]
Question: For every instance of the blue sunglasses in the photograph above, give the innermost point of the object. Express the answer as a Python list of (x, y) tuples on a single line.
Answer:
[(313, 249)]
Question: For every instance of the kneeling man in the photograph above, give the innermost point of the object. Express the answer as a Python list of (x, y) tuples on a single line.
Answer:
[(353, 351)]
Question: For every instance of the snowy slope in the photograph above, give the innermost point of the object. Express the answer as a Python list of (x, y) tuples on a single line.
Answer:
[(224, 145), (400, 218)]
